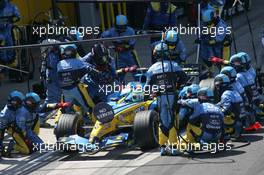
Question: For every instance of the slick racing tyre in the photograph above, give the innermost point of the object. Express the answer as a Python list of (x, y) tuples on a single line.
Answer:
[(69, 124), (146, 129)]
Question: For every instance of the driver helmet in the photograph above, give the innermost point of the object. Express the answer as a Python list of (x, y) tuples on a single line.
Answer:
[(100, 54), (221, 82), (137, 95), (208, 14), (247, 58), (192, 91), (68, 51), (121, 23), (15, 99), (238, 61), (230, 72), (171, 38), (205, 95), (161, 51), (32, 101)]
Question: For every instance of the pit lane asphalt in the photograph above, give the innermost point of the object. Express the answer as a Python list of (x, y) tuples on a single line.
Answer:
[(243, 161)]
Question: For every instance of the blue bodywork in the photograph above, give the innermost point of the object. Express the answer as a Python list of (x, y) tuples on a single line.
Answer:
[(83, 144)]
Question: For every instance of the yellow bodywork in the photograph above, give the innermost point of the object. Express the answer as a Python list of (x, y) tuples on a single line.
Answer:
[(57, 116), (124, 117)]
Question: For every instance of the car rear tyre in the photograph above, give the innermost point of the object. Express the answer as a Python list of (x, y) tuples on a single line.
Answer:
[(69, 124), (146, 129)]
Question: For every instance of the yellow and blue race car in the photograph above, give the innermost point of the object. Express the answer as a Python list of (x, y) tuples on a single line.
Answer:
[(128, 119), (121, 121)]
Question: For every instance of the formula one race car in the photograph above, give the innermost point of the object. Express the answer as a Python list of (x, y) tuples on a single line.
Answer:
[(125, 120)]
